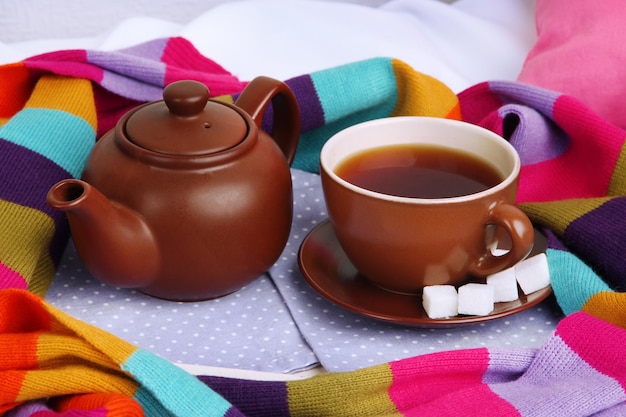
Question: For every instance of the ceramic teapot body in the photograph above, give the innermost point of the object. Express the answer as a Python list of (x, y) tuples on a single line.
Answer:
[(195, 209)]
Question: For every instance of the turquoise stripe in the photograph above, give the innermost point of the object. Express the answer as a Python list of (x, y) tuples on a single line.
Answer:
[(169, 390), (573, 281), (62, 137), (365, 88), (348, 95)]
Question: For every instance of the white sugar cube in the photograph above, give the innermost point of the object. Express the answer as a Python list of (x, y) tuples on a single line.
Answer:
[(533, 274), (504, 285), (440, 301), (475, 299)]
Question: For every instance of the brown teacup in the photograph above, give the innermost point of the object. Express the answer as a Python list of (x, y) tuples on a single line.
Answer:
[(433, 196)]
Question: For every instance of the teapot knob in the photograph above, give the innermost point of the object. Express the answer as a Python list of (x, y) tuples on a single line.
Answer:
[(186, 98)]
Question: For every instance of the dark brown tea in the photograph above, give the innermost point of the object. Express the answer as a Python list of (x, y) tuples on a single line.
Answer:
[(418, 171)]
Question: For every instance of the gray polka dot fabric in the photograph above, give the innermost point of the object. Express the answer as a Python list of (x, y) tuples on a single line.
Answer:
[(278, 323)]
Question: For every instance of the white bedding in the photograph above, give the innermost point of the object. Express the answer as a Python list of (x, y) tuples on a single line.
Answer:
[(462, 43)]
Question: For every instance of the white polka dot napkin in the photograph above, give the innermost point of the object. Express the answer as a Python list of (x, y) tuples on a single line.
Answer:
[(278, 323)]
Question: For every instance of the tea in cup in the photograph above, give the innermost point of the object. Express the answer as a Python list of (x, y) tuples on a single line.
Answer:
[(417, 201)]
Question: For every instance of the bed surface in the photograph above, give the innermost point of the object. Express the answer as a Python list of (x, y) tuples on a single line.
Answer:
[(461, 44)]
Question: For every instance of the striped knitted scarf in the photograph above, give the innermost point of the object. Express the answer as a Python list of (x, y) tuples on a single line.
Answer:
[(54, 107)]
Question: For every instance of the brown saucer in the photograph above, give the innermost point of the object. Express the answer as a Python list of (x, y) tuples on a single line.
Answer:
[(326, 268)]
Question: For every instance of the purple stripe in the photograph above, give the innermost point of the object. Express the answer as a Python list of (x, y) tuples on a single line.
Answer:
[(252, 398), (26, 177), (134, 77), (507, 365), (599, 237), (527, 114), (535, 137), (558, 373), (309, 102), (311, 112), (152, 49), (29, 408), (554, 242), (233, 412), (539, 99)]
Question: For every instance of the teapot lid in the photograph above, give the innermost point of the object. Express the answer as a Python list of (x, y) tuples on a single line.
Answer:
[(186, 122)]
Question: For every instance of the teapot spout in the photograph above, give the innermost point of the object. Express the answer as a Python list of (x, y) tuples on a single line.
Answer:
[(113, 241)]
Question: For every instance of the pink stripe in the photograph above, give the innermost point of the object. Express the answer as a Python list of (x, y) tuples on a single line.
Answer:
[(552, 180), (184, 61), (71, 63), (590, 178), (493, 121), (11, 279), (604, 351), (477, 101), (444, 383)]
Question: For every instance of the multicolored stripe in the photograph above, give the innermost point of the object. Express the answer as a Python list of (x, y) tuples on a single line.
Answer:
[(569, 376), (85, 368), (333, 99), (47, 353), (572, 182)]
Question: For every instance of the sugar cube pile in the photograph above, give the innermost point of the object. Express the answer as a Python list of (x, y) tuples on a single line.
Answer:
[(477, 299)]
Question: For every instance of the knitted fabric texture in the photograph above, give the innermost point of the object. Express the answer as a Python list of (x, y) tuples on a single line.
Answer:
[(48, 354), (573, 181), (569, 376), (64, 366)]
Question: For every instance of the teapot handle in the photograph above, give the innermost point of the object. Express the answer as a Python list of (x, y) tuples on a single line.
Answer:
[(286, 121)]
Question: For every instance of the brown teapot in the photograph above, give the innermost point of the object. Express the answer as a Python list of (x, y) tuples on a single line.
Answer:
[(187, 198)]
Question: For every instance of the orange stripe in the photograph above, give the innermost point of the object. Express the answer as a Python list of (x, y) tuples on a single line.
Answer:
[(115, 404), (18, 351), (455, 112), (21, 320), (12, 382), (16, 83), (21, 312)]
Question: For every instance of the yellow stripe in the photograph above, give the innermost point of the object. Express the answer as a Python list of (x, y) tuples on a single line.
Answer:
[(422, 95), (559, 214), (73, 379), (65, 348), (24, 244), (226, 99), (608, 306), (617, 186), (118, 350), (72, 356), (359, 393), (72, 95)]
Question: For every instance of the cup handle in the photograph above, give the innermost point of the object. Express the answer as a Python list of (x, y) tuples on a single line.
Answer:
[(521, 232)]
